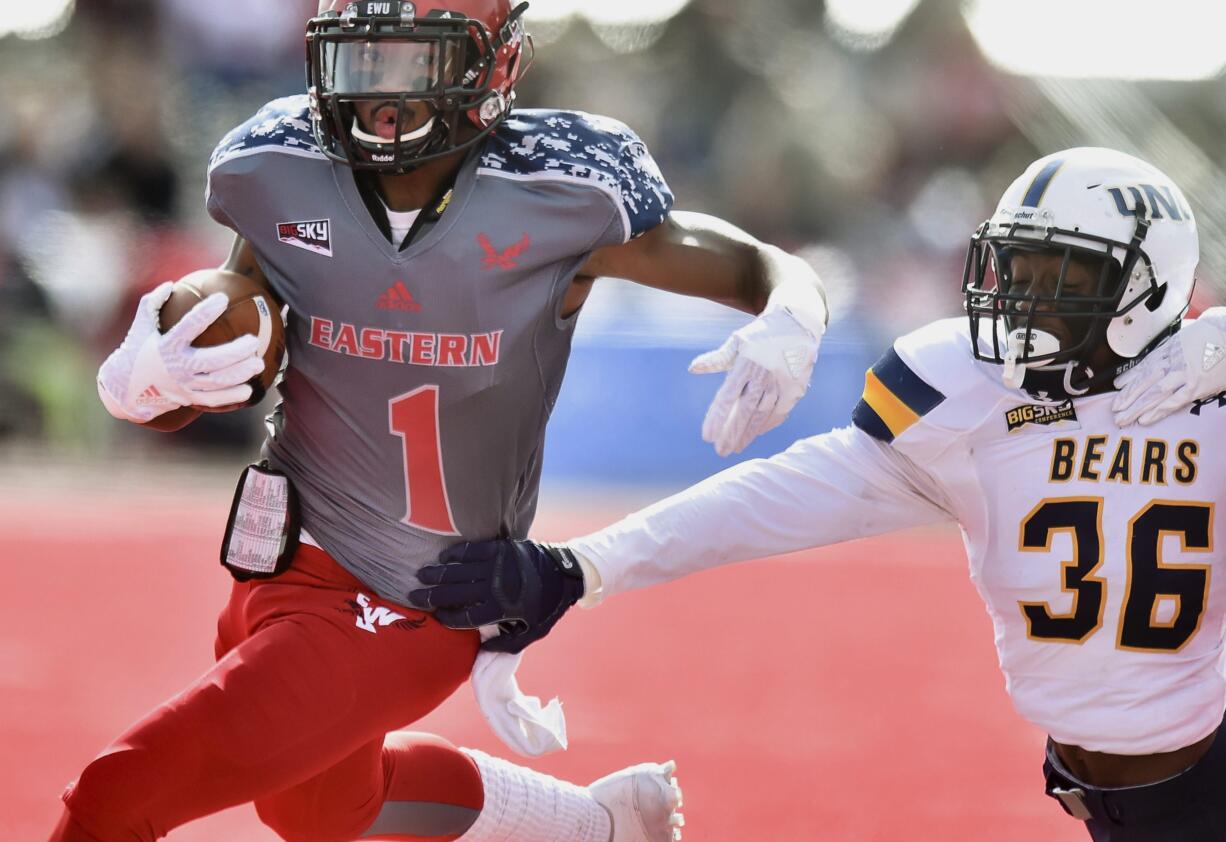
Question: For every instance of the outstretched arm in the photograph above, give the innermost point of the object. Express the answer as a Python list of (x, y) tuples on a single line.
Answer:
[(769, 361), (704, 256), (822, 490)]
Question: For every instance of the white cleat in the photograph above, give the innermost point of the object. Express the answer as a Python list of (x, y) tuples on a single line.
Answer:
[(644, 802)]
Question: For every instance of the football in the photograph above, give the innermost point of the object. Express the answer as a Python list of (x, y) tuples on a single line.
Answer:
[(252, 310)]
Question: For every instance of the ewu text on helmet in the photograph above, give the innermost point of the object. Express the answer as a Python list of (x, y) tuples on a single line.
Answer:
[(1094, 208), (395, 84)]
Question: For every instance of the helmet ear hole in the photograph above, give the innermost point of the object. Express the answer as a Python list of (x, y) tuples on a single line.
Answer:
[(1154, 301)]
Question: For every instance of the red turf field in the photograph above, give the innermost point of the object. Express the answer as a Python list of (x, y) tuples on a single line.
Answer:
[(863, 704)]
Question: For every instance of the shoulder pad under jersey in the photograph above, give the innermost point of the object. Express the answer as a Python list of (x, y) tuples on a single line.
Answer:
[(927, 384), (283, 125), (571, 146)]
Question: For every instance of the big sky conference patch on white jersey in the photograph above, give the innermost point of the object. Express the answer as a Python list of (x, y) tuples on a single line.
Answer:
[(1041, 415)]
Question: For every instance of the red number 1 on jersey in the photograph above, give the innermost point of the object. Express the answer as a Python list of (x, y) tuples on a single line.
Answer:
[(414, 417)]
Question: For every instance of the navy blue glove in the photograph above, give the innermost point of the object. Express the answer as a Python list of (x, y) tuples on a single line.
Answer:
[(523, 586)]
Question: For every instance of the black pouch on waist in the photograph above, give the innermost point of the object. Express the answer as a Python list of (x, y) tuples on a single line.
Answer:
[(262, 530)]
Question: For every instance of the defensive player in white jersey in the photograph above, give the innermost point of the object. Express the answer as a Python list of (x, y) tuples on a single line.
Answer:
[(1096, 547), (433, 247)]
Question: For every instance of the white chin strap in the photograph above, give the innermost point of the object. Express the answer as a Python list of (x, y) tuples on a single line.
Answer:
[(1020, 341), (367, 137), (1038, 342)]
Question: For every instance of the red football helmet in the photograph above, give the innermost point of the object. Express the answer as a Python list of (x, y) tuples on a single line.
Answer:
[(392, 82)]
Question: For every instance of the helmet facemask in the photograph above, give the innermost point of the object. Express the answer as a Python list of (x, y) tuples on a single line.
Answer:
[(391, 91), (1007, 316)]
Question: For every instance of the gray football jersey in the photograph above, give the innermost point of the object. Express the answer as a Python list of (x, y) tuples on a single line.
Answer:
[(419, 381)]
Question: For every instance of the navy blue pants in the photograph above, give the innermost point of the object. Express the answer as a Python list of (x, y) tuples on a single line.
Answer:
[(1190, 807)]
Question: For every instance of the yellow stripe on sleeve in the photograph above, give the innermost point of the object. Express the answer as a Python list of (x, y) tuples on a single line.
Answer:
[(896, 414)]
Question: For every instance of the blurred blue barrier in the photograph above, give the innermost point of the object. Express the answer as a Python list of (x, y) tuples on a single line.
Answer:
[(630, 414)]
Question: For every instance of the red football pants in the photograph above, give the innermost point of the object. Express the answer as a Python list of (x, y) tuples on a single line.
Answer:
[(313, 671)]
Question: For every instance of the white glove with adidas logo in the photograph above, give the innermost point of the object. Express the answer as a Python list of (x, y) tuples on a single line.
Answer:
[(769, 363), (152, 373), (1188, 366)]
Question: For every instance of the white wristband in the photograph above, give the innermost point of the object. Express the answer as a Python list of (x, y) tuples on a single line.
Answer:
[(592, 584), (803, 302), (114, 407)]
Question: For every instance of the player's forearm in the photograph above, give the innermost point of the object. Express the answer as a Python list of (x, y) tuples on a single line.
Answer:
[(719, 521), (735, 268), (788, 283), (821, 491), (707, 257), (715, 259), (242, 261)]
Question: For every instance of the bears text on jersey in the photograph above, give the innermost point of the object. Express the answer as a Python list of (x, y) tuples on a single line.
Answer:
[(1144, 462)]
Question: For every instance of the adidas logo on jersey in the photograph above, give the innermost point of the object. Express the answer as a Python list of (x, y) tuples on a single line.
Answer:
[(1039, 413), (1212, 356), (315, 235), (398, 297)]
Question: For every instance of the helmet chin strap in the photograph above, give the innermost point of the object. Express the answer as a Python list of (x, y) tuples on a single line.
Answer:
[(367, 137), (1033, 342), (1039, 343), (1086, 381)]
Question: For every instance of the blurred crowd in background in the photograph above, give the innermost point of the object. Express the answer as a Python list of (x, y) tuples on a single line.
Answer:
[(872, 154)]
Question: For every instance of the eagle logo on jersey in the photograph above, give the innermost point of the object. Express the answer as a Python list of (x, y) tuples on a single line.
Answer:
[(1043, 414), (505, 259)]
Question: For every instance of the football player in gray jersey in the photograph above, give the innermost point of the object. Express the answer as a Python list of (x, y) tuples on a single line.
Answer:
[(432, 247)]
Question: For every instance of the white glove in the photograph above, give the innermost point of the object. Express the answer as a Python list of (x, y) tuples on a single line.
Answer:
[(152, 373), (769, 362), (519, 720), (1186, 367)]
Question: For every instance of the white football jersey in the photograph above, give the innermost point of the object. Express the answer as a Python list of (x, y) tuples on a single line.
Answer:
[(1093, 547)]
